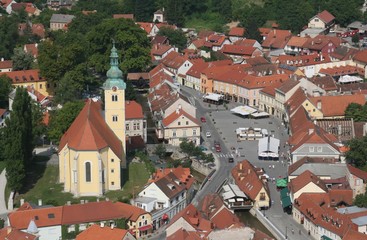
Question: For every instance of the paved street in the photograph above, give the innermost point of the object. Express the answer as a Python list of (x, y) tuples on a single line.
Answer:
[(222, 125)]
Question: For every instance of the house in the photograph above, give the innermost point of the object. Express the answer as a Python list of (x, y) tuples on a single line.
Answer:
[(216, 42), (159, 51), (135, 121), (248, 179), (3, 115), (248, 43), (319, 44), (276, 39), (124, 16), (236, 33), (92, 151), (324, 106), (39, 30), (29, 8), (357, 179), (97, 232), (295, 45), (6, 65), (58, 4), (360, 59), (193, 75), (326, 83), (238, 53), (323, 20), (306, 182), (60, 21), (159, 16), (9, 233), (343, 53), (150, 28), (7, 5), (32, 78), (164, 198), (177, 126), (31, 49), (267, 100)]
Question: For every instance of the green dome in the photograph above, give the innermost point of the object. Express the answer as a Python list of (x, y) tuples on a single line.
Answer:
[(114, 74)]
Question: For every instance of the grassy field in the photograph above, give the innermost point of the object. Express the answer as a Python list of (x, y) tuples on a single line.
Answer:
[(45, 186)]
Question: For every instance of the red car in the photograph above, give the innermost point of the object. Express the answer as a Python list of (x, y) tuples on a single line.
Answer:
[(218, 149), (216, 144), (202, 119)]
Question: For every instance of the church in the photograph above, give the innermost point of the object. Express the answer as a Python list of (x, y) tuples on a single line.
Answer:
[(92, 151)]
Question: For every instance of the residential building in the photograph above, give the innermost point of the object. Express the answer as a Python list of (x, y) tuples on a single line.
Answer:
[(193, 75), (6, 65), (357, 179), (92, 151), (31, 78), (163, 198), (29, 8), (306, 182), (283, 94), (295, 45), (136, 124), (323, 20), (97, 232), (216, 42), (9, 233), (159, 16), (247, 42), (360, 59), (236, 33), (3, 115), (150, 28), (276, 39), (248, 179), (238, 53), (6, 5), (32, 49), (267, 98), (58, 4), (60, 21), (159, 51)]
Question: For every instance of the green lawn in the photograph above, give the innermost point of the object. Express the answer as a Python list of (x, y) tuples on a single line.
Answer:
[(47, 188)]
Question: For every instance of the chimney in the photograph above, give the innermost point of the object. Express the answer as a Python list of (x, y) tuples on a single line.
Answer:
[(240, 166), (112, 225), (319, 104), (21, 201), (68, 203), (39, 202), (177, 111), (310, 131), (8, 230), (36, 45), (82, 201), (2, 59), (97, 199), (102, 224), (312, 42), (248, 171)]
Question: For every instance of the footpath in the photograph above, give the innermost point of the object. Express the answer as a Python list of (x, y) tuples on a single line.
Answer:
[(3, 209)]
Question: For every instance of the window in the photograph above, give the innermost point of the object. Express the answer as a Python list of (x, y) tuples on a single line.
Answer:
[(112, 170), (184, 133), (127, 126), (311, 149), (112, 183), (87, 172), (319, 149), (262, 196), (114, 98), (114, 118), (179, 123), (187, 123), (112, 160), (194, 132), (40, 86), (174, 133)]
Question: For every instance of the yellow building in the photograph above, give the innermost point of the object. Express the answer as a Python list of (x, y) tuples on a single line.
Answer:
[(92, 151)]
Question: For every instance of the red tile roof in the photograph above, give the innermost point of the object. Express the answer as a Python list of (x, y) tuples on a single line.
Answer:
[(96, 232), (295, 41), (245, 42), (146, 26), (125, 16), (224, 219), (344, 53), (133, 110), (357, 172), (247, 179), (183, 234), (325, 16), (2, 111), (238, 50), (198, 43), (90, 132), (253, 82), (276, 39), (304, 179), (327, 83), (6, 64), (43, 217), (317, 43), (159, 50), (175, 115), (361, 56), (99, 211), (354, 234), (183, 174), (196, 69), (24, 76), (39, 30), (303, 60), (329, 108), (32, 49), (215, 40), (9, 233), (236, 31), (270, 90)]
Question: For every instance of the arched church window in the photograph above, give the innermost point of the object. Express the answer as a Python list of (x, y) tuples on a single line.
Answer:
[(87, 172)]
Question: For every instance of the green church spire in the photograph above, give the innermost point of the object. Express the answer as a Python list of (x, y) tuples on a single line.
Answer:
[(114, 74)]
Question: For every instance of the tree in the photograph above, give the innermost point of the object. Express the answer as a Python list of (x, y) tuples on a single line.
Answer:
[(357, 152), (8, 35), (160, 151), (62, 119), (5, 88), (22, 60), (190, 149), (130, 93), (176, 37), (18, 139), (38, 127), (357, 112), (355, 39)]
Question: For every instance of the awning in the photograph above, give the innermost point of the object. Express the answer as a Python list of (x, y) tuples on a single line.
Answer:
[(281, 182), (286, 202), (213, 96), (323, 237), (146, 227), (284, 193), (243, 110)]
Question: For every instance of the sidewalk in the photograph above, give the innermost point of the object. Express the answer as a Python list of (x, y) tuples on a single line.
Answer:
[(3, 209)]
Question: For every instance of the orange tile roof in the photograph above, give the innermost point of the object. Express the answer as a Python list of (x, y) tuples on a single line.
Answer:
[(32, 49), (90, 132), (224, 219), (344, 53), (183, 234), (133, 110), (159, 50), (325, 16), (253, 82), (270, 90), (9, 233), (361, 56), (99, 211), (238, 50), (317, 43), (174, 116), (245, 42), (198, 43), (304, 179), (329, 108), (247, 179), (125, 16), (96, 232), (354, 234), (196, 69), (236, 31), (295, 41), (146, 26), (2, 111), (39, 30), (303, 60), (6, 64), (264, 31), (295, 102), (327, 82), (357, 172), (183, 174), (215, 40), (43, 217), (277, 39), (24, 76)]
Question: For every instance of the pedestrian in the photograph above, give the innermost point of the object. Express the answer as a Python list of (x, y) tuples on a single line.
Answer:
[(269, 166), (292, 231), (273, 166)]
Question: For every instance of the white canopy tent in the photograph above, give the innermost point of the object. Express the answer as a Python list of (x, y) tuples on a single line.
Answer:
[(350, 79), (243, 110), (213, 97), (260, 114), (268, 147)]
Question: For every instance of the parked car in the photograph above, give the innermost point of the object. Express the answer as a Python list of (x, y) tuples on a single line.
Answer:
[(216, 144), (202, 148), (208, 134), (231, 159), (203, 119), (218, 149)]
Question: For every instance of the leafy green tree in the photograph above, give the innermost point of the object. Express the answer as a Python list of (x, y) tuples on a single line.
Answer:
[(130, 93), (160, 151), (190, 149), (357, 152), (176, 37), (38, 127), (223, 7), (357, 112), (62, 119), (15, 174), (22, 60), (8, 35), (143, 10), (174, 12), (5, 88)]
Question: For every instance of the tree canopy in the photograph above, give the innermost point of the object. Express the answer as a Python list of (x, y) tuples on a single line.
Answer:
[(22, 60), (5, 88), (357, 152), (357, 112), (176, 37)]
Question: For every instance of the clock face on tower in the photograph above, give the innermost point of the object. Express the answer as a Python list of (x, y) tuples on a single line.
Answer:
[(114, 88)]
